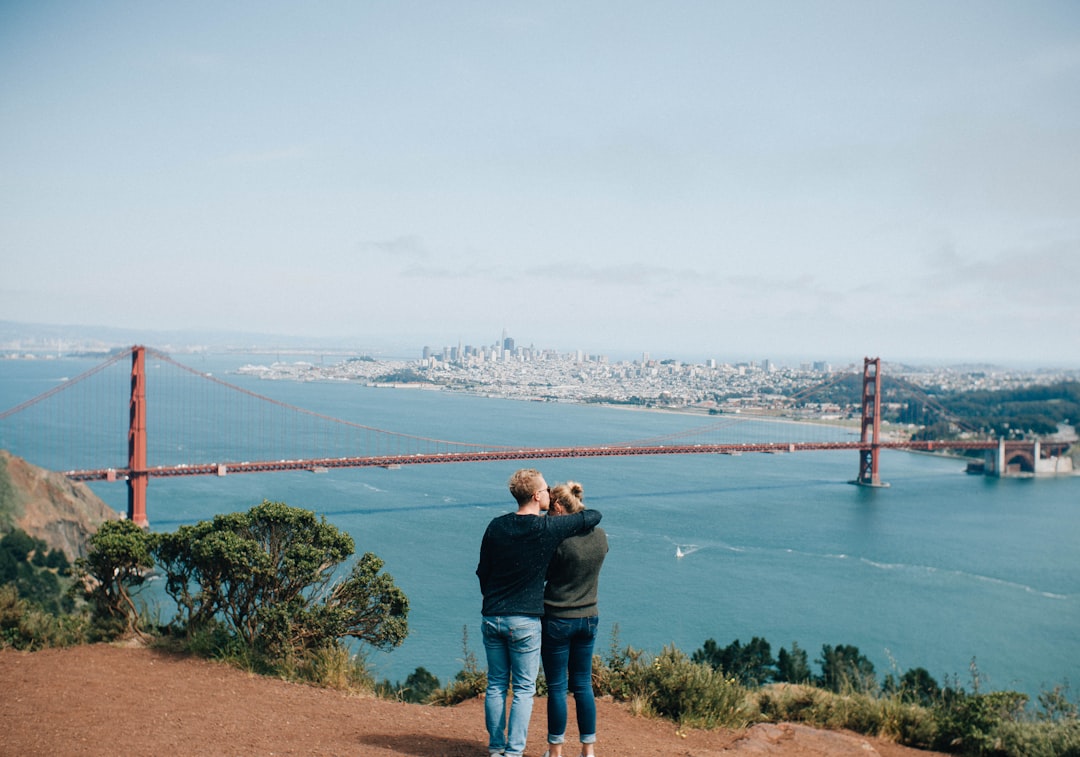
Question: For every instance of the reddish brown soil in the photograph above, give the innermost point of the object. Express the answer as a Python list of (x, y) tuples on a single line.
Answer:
[(110, 700)]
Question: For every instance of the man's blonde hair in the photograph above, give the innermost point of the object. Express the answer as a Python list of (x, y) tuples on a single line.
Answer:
[(523, 484)]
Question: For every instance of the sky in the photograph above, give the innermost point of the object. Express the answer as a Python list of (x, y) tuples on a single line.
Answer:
[(706, 179)]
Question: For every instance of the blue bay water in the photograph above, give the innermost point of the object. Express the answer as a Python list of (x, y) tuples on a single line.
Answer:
[(935, 571)]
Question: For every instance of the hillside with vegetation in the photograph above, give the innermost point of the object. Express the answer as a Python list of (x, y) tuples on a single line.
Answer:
[(277, 591), (945, 413)]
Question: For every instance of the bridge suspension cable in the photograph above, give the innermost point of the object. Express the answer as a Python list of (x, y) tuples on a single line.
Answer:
[(181, 421)]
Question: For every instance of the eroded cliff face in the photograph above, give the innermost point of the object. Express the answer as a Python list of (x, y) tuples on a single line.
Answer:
[(48, 506)]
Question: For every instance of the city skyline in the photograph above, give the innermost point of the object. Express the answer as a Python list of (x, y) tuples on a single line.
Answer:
[(43, 340), (822, 180)]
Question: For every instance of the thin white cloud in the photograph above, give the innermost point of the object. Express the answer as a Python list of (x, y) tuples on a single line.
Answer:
[(408, 246), (630, 274)]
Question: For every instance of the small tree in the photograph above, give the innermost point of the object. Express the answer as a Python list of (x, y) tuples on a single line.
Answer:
[(793, 666), (709, 653), (18, 544), (117, 561), (418, 686), (844, 669), (918, 686), (751, 665), (266, 575)]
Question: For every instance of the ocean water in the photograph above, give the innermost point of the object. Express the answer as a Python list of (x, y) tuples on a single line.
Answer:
[(938, 571)]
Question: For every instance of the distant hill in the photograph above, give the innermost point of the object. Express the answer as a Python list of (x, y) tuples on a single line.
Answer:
[(48, 506), (20, 337)]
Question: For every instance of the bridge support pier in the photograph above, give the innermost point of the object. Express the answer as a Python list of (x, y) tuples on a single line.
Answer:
[(871, 425), (138, 476)]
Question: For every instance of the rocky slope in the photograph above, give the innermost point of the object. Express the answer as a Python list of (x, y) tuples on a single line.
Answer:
[(48, 506)]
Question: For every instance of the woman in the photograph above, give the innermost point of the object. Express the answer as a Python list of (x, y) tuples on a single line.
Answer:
[(570, 623)]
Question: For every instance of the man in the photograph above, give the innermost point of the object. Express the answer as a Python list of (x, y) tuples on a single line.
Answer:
[(514, 556)]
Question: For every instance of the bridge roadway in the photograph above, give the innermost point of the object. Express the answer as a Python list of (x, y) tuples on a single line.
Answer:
[(529, 453)]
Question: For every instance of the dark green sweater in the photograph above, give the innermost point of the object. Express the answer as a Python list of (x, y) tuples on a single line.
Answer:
[(574, 575)]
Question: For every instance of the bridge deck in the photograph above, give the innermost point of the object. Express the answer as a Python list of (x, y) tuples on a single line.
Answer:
[(537, 453)]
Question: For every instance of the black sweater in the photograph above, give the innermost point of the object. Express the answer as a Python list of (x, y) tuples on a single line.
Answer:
[(514, 556)]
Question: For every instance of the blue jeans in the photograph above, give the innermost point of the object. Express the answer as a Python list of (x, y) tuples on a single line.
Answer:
[(568, 652), (512, 644)]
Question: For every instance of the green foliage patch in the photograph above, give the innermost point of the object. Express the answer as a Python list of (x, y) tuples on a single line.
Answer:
[(263, 583)]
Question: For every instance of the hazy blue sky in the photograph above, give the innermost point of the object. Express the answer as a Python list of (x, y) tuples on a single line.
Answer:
[(707, 179)]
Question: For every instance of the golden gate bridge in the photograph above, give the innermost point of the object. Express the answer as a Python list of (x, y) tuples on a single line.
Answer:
[(91, 429)]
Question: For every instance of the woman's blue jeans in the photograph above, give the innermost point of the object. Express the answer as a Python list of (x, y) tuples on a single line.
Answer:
[(567, 652), (512, 644)]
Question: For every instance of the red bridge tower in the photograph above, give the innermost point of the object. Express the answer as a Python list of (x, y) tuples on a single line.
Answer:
[(871, 424), (137, 473)]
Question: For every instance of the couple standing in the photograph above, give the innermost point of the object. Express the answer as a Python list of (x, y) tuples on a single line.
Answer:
[(524, 621)]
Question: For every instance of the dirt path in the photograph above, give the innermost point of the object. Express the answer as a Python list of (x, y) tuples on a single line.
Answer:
[(111, 700)]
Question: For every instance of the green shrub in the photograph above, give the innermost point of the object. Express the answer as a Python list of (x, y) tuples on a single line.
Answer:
[(1037, 739), (618, 675), (334, 667), (887, 717), (691, 693), (844, 670), (418, 688), (751, 665), (797, 703), (261, 589), (969, 723), (213, 640), (671, 685), (1054, 705), (907, 723), (470, 681), (25, 625), (467, 684), (41, 576)]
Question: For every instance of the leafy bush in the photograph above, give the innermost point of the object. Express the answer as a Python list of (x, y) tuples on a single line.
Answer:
[(793, 666), (844, 669), (969, 723), (266, 578), (470, 681), (1037, 739), (818, 707), (419, 686), (615, 675), (916, 685), (670, 685), (750, 665), (691, 693), (25, 625), (38, 573), (335, 668), (907, 722)]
